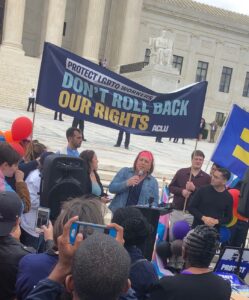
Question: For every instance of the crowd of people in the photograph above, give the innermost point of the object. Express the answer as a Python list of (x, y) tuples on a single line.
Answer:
[(46, 265)]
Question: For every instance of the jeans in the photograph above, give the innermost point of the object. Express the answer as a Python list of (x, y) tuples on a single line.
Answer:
[(31, 102), (238, 233)]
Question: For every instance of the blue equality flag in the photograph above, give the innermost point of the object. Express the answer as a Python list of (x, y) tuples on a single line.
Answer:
[(77, 87), (232, 151)]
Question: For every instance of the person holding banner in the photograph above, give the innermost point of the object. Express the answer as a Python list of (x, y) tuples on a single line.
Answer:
[(185, 182), (56, 113), (135, 186), (81, 123), (120, 138)]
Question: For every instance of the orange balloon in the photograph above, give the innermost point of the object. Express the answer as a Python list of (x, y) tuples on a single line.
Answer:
[(8, 136)]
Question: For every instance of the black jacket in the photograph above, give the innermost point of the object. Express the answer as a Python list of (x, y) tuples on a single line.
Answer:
[(207, 286), (11, 251)]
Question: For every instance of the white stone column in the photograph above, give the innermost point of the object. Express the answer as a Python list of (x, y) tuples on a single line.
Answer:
[(13, 25), (55, 21), (94, 22), (192, 63), (216, 69), (123, 33), (129, 39)]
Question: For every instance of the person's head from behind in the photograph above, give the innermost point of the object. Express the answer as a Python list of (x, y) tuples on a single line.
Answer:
[(74, 137), (200, 245), (9, 159), (144, 162), (100, 269), (163, 250), (136, 227), (197, 159), (87, 209), (10, 212), (176, 248), (220, 177), (90, 157), (34, 150)]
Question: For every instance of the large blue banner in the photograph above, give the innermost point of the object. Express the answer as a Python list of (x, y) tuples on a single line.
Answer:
[(77, 87), (232, 151)]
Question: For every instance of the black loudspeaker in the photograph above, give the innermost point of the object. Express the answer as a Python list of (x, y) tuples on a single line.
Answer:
[(62, 177), (243, 207), (152, 216)]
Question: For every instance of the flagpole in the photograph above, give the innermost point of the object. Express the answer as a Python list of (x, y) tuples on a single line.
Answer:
[(32, 133), (190, 176)]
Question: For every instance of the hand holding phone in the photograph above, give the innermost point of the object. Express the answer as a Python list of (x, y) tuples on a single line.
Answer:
[(119, 232), (42, 218), (66, 253), (89, 228), (48, 231)]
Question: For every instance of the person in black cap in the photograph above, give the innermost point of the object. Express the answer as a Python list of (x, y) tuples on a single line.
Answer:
[(11, 250)]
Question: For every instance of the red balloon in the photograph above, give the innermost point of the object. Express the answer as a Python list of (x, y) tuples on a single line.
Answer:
[(8, 136), (18, 148), (21, 128)]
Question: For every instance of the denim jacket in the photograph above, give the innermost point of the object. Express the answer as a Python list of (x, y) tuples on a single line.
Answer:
[(119, 187)]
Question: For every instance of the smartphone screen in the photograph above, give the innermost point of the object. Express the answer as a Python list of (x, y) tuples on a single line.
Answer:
[(42, 217), (88, 228)]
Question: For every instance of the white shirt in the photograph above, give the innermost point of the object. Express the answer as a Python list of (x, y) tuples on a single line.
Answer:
[(28, 219), (32, 94)]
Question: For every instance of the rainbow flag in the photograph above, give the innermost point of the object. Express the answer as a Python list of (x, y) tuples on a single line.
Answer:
[(163, 223)]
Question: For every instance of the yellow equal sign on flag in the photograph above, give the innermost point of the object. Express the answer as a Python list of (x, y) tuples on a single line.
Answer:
[(241, 153)]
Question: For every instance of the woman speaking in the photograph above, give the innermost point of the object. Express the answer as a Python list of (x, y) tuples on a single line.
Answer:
[(135, 186)]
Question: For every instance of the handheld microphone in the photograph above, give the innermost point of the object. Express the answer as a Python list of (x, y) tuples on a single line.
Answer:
[(140, 173)]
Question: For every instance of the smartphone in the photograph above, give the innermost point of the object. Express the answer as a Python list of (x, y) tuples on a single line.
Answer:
[(42, 218), (89, 228)]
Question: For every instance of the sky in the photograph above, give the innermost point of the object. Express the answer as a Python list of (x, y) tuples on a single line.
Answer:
[(240, 6)]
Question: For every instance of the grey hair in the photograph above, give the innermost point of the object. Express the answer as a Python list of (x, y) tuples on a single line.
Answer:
[(88, 209)]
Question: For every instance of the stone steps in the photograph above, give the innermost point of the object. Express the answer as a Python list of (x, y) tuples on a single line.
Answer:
[(18, 74)]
